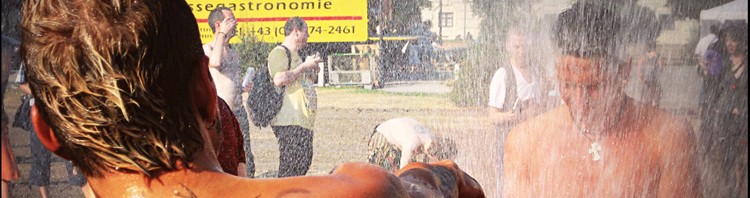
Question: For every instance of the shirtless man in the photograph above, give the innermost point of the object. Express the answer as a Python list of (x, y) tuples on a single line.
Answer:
[(396, 142), (638, 150), (131, 102), (224, 65)]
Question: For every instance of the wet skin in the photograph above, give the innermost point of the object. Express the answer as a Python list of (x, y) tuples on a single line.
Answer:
[(645, 151)]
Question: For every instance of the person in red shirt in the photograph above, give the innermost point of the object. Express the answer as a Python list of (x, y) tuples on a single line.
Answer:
[(230, 156)]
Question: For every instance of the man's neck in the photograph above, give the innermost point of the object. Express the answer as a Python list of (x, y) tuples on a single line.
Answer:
[(518, 64), (183, 182), (521, 67), (610, 122), (291, 45)]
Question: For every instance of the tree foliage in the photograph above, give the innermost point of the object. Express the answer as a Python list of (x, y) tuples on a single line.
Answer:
[(399, 14), (252, 51), (691, 9)]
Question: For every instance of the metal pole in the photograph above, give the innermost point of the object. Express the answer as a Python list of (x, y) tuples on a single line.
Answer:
[(440, 21), (381, 52)]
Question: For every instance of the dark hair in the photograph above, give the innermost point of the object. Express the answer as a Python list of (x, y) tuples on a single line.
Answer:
[(216, 15), (111, 79), (714, 29), (294, 22), (738, 32), (586, 29)]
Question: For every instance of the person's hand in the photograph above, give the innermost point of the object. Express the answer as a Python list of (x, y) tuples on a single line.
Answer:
[(703, 66), (312, 63), (249, 87), (503, 117), (227, 26)]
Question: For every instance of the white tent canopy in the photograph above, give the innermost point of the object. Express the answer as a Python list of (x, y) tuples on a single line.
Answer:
[(732, 11), (735, 10)]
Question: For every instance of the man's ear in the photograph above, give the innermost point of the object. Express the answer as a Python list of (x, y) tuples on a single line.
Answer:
[(46, 135), (203, 91)]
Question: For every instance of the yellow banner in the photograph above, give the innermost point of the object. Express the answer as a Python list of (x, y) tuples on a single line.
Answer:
[(327, 20)]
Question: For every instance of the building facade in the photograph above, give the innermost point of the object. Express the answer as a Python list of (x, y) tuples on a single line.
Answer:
[(455, 21)]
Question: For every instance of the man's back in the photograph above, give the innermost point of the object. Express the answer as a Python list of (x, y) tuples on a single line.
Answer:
[(640, 158), (404, 132)]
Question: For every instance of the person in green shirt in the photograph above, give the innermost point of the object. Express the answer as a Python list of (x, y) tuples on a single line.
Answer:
[(293, 125)]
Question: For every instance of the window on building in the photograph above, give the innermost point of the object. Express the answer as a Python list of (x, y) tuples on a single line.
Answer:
[(446, 19)]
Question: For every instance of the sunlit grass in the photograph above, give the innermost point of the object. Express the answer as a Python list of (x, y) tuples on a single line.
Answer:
[(353, 97)]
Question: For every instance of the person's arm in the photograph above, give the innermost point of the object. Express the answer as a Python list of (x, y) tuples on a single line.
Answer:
[(703, 65), (241, 169), (639, 68), (240, 143), (679, 176), (500, 117), (406, 153), (660, 62), (498, 87), (25, 87), (283, 77), (216, 52)]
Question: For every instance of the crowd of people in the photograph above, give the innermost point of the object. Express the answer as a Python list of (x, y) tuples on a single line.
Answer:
[(138, 98)]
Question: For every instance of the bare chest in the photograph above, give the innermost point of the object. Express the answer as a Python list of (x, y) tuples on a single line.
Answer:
[(625, 168)]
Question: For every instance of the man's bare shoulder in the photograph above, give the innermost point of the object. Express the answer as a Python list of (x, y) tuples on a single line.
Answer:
[(542, 123), (536, 130), (664, 126)]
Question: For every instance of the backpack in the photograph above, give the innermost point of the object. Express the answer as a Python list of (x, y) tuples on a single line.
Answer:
[(264, 101)]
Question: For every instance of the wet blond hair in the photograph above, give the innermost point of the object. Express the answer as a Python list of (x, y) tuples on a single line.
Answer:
[(112, 80)]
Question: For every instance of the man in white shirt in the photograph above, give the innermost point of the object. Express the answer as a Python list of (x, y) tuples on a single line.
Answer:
[(514, 93)]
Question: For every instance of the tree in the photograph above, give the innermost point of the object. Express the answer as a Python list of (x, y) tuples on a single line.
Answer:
[(399, 15), (691, 9)]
